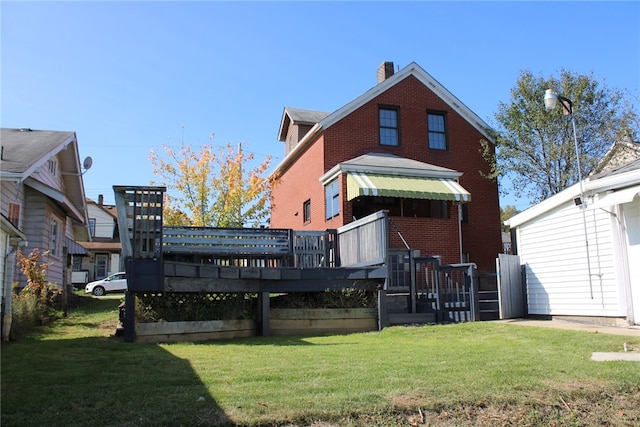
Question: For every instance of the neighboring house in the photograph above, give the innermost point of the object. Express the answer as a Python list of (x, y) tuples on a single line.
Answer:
[(43, 199), (408, 146), (506, 243), (587, 271), (104, 247)]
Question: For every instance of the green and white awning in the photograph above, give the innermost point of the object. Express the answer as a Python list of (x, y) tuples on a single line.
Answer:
[(408, 187)]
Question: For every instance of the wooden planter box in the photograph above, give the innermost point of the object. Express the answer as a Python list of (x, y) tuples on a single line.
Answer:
[(194, 331), (283, 322), (322, 321)]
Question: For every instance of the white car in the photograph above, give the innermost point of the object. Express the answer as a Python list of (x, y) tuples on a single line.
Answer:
[(115, 283)]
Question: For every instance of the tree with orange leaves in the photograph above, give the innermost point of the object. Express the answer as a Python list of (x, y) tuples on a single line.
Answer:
[(212, 188)]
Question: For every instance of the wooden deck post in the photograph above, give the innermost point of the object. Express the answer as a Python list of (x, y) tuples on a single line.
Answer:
[(383, 316), (412, 284), (265, 313), (129, 316)]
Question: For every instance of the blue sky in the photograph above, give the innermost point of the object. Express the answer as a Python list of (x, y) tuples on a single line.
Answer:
[(126, 76)]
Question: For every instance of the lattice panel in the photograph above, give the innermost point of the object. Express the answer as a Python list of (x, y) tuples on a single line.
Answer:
[(176, 307)]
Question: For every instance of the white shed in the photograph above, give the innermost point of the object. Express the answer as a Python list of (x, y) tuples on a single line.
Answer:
[(583, 260)]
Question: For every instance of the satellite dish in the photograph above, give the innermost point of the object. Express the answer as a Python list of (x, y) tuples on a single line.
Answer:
[(88, 161)]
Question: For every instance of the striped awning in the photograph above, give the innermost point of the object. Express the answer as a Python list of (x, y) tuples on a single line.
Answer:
[(408, 187)]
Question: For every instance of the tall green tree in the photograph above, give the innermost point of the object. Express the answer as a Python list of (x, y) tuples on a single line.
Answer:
[(210, 188), (535, 148), (506, 213)]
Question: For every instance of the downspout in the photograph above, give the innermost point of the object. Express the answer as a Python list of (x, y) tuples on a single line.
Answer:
[(460, 230)]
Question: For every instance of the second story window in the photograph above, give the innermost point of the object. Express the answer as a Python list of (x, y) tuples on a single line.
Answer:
[(54, 237), (92, 227), (14, 214), (437, 131), (332, 199), (389, 131)]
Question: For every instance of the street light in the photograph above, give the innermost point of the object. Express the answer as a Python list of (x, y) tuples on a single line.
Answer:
[(551, 99)]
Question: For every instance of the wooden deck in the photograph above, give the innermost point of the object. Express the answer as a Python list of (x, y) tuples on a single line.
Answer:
[(252, 260), (261, 261)]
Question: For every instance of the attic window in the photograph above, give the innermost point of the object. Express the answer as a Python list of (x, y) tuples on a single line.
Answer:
[(52, 166)]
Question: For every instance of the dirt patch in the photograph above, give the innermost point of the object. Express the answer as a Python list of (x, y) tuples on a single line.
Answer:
[(576, 405)]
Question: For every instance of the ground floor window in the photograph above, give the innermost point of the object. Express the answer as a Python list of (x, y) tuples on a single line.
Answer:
[(416, 208), (306, 211), (332, 199), (76, 263)]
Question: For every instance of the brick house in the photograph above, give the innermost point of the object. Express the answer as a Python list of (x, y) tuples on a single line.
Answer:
[(408, 146)]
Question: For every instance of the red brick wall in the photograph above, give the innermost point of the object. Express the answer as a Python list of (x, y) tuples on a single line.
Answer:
[(357, 134), (296, 185), (432, 236)]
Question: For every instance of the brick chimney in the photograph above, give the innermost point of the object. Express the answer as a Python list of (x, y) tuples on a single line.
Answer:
[(385, 70), (100, 199)]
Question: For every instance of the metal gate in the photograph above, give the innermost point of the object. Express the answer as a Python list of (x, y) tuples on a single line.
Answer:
[(449, 291)]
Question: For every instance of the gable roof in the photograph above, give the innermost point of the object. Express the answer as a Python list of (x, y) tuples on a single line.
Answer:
[(298, 116), (412, 69), (621, 151), (24, 151), (426, 79), (595, 187)]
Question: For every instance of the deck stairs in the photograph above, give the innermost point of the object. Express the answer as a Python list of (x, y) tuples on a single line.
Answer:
[(399, 311)]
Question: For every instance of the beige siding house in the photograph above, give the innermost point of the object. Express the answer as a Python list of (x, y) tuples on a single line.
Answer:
[(43, 199)]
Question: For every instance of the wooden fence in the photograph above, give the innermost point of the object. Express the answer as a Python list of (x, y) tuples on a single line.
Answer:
[(510, 287)]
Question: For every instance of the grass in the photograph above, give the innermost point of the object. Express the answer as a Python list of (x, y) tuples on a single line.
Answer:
[(75, 373)]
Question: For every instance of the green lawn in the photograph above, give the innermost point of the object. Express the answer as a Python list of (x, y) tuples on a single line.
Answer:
[(75, 373)]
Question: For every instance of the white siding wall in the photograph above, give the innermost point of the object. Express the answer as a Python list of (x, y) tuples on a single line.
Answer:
[(553, 249), (105, 225)]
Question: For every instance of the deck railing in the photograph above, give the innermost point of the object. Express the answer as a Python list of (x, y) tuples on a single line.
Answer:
[(361, 243), (364, 242), (250, 247)]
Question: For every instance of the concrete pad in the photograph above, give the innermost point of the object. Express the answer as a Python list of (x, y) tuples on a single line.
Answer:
[(576, 326), (608, 357)]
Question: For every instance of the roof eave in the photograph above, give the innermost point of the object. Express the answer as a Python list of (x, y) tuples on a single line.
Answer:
[(387, 170), (426, 79), (298, 150), (545, 206), (59, 197)]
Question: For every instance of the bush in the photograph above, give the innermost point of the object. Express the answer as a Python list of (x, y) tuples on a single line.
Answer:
[(31, 308), (35, 304), (345, 298), (177, 307)]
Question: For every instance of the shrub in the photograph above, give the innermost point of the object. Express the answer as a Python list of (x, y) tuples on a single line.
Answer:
[(35, 304), (176, 306), (344, 298)]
